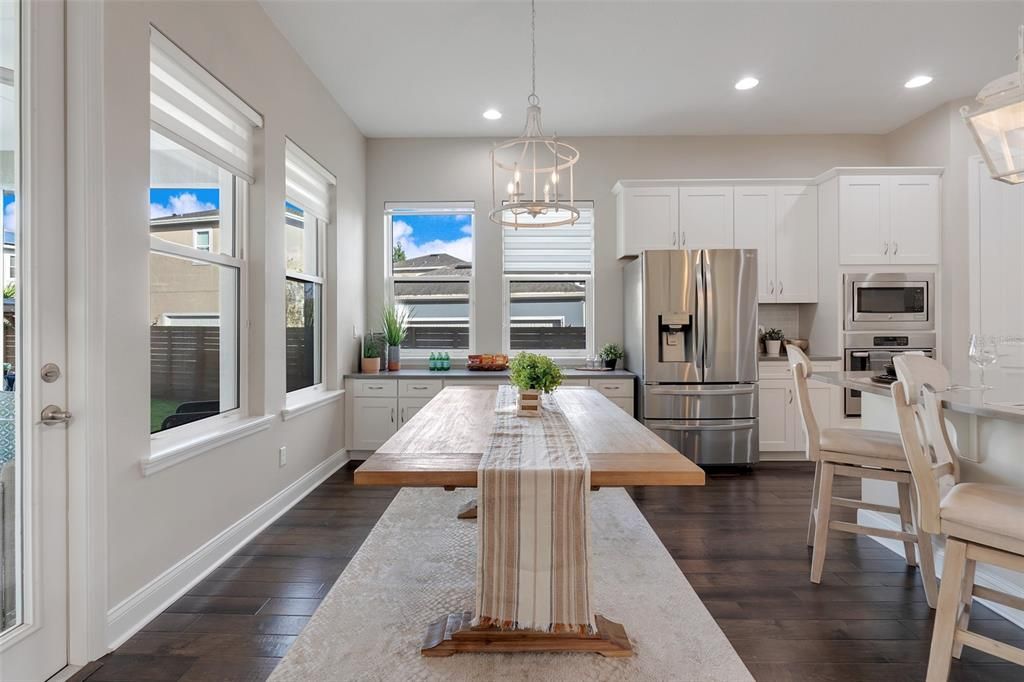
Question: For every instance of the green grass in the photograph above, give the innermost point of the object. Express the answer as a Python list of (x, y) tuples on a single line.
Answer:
[(158, 409)]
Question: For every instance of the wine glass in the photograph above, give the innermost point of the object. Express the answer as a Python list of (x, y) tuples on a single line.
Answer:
[(983, 353)]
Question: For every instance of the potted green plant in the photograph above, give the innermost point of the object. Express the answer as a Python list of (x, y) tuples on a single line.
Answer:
[(611, 353), (394, 319), (371, 355), (533, 375), (773, 341)]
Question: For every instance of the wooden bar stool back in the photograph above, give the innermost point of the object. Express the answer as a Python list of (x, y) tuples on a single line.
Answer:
[(858, 453), (981, 522)]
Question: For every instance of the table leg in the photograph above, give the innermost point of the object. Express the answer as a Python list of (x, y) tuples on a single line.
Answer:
[(468, 510), (454, 632)]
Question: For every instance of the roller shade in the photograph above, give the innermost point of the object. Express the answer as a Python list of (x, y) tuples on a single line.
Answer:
[(190, 106), (567, 250), (306, 182)]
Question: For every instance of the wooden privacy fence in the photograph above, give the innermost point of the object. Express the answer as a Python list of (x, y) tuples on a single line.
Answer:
[(533, 338), (185, 361)]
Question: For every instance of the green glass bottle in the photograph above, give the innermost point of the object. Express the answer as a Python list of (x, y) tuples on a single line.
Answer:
[(433, 362)]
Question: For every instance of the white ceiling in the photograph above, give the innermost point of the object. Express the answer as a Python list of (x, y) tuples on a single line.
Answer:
[(426, 68)]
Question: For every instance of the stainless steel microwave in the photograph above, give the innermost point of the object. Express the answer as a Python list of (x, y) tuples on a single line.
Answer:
[(884, 301)]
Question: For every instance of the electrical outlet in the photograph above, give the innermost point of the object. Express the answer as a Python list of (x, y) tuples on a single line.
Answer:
[(355, 331), (282, 456)]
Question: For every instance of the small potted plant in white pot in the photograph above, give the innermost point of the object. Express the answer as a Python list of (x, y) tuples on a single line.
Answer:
[(611, 353), (394, 320), (371, 355), (533, 375), (773, 341)]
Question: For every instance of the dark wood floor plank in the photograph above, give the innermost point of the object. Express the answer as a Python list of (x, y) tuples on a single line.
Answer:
[(740, 540)]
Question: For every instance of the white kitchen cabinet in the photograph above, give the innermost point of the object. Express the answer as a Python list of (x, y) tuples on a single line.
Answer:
[(888, 219), (706, 218), (648, 218), (914, 230), (775, 422), (374, 420), (754, 216), (796, 244), (782, 224), (407, 407)]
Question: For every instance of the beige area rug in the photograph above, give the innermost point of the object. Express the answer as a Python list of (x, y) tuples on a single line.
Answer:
[(419, 563)]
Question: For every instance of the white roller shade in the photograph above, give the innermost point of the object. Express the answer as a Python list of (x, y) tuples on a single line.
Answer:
[(568, 249), (306, 182), (190, 106)]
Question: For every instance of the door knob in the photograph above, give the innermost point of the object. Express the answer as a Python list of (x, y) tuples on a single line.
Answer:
[(52, 415)]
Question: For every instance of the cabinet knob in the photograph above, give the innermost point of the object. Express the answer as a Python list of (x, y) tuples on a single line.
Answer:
[(771, 285), (675, 238), (895, 248), (886, 252), (780, 287)]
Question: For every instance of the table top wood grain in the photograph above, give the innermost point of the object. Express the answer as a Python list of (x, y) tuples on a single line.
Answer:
[(442, 444)]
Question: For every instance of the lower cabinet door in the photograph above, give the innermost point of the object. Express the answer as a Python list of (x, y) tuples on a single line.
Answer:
[(407, 407), (374, 421), (775, 415)]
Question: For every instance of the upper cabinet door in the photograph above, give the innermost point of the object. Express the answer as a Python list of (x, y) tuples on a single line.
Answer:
[(796, 245), (705, 218), (914, 232), (755, 229), (648, 219), (863, 220)]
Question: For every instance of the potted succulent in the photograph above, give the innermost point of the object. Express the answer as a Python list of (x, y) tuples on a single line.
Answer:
[(611, 353), (395, 321), (371, 355), (773, 341), (533, 375)]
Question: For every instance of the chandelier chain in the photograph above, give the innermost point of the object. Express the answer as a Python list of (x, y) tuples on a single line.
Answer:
[(533, 50)]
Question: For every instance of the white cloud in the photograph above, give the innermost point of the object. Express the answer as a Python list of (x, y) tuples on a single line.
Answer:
[(179, 204), (11, 217), (402, 233)]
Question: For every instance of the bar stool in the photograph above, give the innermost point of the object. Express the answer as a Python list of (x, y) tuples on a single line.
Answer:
[(858, 453), (981, 522)]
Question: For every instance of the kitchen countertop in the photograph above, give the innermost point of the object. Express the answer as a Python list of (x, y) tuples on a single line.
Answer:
[(764, 357), (997, 403), (463, 373)]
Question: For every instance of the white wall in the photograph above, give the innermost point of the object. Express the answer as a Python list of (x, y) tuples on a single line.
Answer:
[(154, 522), (457, 169)]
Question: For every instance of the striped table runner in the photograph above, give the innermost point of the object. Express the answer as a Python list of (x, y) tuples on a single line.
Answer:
[(533, 561)]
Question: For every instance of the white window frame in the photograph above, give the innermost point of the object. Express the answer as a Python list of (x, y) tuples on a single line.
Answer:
[(301, 396), (433, 208), (183, 442), (556, 353), (195, 239)]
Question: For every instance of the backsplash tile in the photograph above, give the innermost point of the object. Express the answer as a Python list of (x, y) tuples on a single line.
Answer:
[(784, 316)]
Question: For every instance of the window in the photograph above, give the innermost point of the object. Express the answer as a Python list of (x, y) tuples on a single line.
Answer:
[(200, 169), (307, 208), (430, 272), (548, 301)]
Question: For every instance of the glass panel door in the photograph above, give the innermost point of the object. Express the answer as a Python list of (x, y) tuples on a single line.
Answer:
[(33, 390)]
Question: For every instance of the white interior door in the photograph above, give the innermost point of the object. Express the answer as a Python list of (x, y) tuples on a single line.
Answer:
[(33, 462)]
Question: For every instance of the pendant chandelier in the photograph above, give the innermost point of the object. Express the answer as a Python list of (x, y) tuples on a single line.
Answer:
[(535, 171), (998, 124)]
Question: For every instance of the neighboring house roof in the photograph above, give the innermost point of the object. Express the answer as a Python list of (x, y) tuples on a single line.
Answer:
[(552, 290), (431, 261), (186, 221)]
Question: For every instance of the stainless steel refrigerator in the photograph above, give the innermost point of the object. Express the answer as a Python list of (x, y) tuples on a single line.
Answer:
[(691, 338)]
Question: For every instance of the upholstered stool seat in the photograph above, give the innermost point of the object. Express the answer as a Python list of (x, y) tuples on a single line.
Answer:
[(990, 515), (881, 445)]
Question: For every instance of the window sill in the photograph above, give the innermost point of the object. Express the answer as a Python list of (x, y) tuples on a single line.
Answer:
[(165, 455), (310, 402)]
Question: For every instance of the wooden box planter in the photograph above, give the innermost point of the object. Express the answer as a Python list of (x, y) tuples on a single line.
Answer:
[(528, 403)]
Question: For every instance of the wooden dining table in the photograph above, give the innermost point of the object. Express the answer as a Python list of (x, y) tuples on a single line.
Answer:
[(441, 446)]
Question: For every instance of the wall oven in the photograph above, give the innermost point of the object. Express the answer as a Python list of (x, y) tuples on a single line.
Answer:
[(872, 352), (884, 301)]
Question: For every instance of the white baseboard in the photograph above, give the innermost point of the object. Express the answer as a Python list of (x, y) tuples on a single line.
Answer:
[(128, 617), (982, 576)]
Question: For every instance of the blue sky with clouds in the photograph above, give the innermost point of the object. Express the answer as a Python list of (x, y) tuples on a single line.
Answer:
[(420, 235), (10, 217), (178, 201)]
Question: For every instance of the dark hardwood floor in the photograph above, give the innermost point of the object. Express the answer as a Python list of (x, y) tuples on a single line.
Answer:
[(739, 540)]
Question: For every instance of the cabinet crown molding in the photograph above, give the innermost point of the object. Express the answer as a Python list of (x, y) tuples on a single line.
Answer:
[(817, 180), (877, 170)]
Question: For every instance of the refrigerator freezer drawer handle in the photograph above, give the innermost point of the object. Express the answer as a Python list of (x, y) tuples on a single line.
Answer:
[(742, 390), (709, 427)]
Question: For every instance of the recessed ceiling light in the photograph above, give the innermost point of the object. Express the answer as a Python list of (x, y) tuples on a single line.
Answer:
[(747, 83), (492, 114), (918, 81)]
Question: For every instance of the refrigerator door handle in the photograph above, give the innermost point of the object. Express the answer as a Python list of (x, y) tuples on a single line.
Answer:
[(735, 426), (740, 390), (701, 316)]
